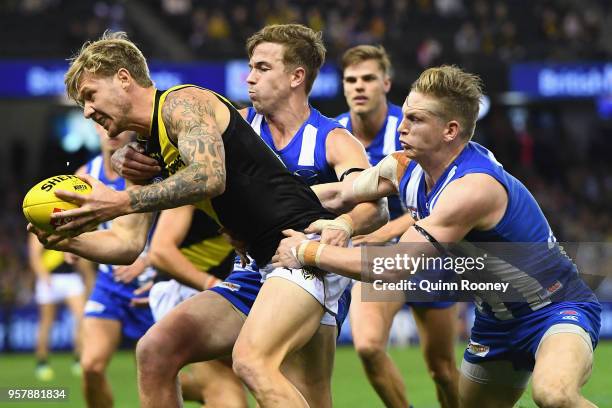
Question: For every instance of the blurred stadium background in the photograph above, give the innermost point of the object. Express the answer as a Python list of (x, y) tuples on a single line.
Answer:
[(547, 67)]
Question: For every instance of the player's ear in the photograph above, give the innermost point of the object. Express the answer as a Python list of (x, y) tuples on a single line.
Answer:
[(452, 130), (124, 77), (298, 77), (387, 83)]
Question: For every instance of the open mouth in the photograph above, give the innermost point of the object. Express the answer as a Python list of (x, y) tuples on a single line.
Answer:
[(100, 120)]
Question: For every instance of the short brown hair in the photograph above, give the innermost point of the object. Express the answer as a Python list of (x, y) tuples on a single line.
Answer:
[(362, 53), (302, 47), (459, 94), (105, 57)]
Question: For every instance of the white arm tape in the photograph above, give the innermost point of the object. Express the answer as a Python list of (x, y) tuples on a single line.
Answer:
[(343, 223), (365, 186)]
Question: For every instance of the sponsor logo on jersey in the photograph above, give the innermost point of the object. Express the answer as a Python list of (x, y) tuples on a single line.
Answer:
[(176, 165), (309, 176), (568, 312), (230, 286), (554, 287), (573, 318), (477, 349)]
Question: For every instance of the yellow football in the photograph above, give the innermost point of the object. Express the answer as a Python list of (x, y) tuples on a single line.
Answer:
[(40, 202)]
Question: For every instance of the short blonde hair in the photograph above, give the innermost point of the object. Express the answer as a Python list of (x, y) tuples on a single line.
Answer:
[(457, 91), (303, 47), (362, 53), (105, 57)]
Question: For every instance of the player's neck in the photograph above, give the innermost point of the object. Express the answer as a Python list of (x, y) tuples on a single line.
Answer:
[(109, 172), (286, 120), (142, 110), (436, 164), (366, 126)]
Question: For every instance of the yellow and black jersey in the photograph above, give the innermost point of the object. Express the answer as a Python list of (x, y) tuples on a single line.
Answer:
[(205, 248), (261, 196), (53, 261)]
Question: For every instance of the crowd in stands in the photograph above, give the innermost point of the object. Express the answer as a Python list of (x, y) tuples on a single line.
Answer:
[(417, 32), (568, 173)]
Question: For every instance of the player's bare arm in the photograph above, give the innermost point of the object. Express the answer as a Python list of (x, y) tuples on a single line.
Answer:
[(119, 245), (475, 201), (344, 152), (391, 230), (164, 253), (194, 122), (190, 116), (371, 184), (347, 156)]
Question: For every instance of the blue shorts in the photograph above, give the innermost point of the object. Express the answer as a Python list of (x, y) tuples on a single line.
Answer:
[(517, 340), (241, 287), (105, 304), (344, 304)]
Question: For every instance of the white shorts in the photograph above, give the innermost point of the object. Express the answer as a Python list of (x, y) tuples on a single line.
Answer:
[(326, 291), (60, 287), (166, 295)]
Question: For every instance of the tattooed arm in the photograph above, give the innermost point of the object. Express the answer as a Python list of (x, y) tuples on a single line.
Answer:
[(195, 120), (191, 119)]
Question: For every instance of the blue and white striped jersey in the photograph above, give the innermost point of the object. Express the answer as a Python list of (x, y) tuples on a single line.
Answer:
[(536, 267), (305, 154), (385, 142)]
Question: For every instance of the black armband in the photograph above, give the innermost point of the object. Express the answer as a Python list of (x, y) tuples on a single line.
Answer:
[(431, 239), (349, 171)]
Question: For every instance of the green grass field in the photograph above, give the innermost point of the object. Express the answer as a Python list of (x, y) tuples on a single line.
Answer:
[(350, 387)]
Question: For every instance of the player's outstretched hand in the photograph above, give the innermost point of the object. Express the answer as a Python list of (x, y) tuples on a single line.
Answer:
[(286, 255), (333, 232), (48, 240), (138, 301), (131, 163), (127, 273), (102, 204)]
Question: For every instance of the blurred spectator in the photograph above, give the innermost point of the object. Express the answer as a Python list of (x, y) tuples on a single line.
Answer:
[(218, 27), (314, 19), (176, 7), (501, 31), (467, 40), (429, 52), (449, 8)]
